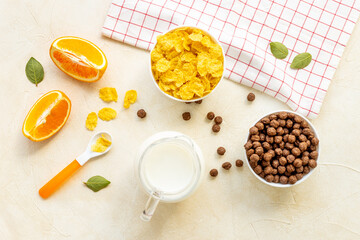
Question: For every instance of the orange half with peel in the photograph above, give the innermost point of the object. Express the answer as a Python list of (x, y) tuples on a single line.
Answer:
[(78, 58), (47, 116)]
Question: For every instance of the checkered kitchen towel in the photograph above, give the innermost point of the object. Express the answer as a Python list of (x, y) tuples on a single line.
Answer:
[(245, 28)]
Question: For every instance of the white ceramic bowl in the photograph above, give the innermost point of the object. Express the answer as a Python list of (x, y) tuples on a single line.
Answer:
[(197, 99), (280, 185)]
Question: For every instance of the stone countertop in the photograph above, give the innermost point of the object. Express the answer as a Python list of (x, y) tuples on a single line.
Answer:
[(235, 205)]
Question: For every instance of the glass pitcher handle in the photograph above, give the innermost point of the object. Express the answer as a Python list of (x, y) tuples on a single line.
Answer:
[(150, 208)]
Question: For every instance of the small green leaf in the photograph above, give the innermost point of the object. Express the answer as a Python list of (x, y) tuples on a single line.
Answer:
[(34, 71), (301, 61), (278, 50), (97, 183)]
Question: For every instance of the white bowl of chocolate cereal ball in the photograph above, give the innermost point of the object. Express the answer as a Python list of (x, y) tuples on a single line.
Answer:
[(282, 149)]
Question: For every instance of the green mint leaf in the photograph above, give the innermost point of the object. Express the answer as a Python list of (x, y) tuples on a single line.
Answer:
[(301, 61), (97, 183), (278, 50), (34, 71)]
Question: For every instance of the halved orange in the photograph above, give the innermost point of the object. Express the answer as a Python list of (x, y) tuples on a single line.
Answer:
[(78, 58), (47, 116)]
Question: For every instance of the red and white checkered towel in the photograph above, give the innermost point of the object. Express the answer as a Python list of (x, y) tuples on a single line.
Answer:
[(245, 29)]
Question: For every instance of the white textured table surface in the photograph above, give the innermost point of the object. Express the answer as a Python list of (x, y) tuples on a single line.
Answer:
[(235, 205)]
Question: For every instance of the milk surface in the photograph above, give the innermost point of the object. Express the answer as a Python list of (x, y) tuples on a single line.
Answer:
[(169, 167)]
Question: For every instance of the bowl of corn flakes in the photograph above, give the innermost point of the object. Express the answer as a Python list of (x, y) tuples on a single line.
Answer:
[(187, 63)]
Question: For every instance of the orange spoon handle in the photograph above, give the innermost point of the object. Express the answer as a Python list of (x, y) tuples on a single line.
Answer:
[(50, 187)]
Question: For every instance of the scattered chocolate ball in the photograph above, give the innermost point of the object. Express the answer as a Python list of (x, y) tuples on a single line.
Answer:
[(186, 116), (213, 172), (226, 165), (210, 115), (251, 97), (216, 128), (218, 120), (141, 113), (239, 163), (221, 150), (198, 101), (188, 102)]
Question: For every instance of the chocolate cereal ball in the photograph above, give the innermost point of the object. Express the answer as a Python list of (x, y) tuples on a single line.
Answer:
[(226, 165), (210, 115), (218, 120), (213, 172), (141, 113), (216, 128), (221, 150), (251, 97), (239, 163), (186, 116)]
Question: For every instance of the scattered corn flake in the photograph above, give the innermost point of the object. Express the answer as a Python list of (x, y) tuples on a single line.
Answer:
[(107, 114), (101, 144), (186, 63), (130, 98), (108, 94), (91, 121)]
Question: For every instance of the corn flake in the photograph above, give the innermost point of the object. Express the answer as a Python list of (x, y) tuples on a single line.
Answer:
[(206, 41), (188, 57), (108, 94), (156, 55), (186, 63), (196, 37), (130, 98), (101, 144), (186, 92), (162, 65), (107, 114), (91, 121)]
